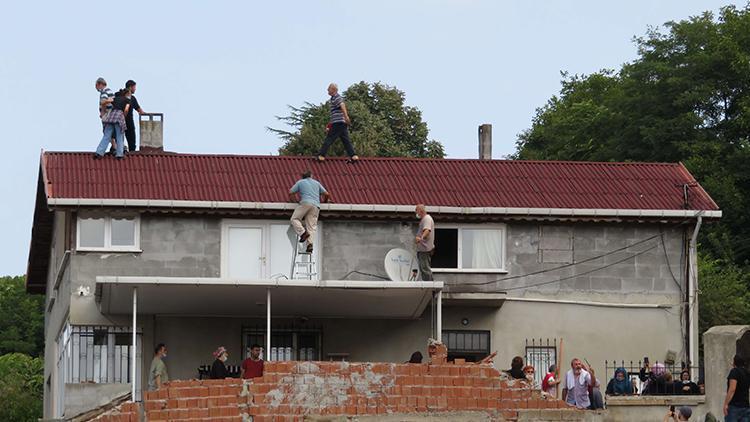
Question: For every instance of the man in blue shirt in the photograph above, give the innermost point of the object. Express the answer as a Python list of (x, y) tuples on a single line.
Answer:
[(310, 191)]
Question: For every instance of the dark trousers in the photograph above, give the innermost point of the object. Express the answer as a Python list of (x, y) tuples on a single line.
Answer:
[(130, 136), (338, 130), (425, 265)]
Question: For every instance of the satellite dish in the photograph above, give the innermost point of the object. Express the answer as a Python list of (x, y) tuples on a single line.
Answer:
[(398, 264)]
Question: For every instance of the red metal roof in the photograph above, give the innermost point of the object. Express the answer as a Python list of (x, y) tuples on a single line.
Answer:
[(389, 181)]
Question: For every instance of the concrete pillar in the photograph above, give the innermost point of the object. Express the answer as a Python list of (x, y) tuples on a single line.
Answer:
[(485, 142), (719, 347), (152, 132)]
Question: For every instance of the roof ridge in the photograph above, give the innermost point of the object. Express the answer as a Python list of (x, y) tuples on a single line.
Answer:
[(366, 159)]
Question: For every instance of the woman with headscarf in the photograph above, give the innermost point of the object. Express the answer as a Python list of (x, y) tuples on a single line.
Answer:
[(684, 385), (416, 357), (656, 380), (218, 369), (516, 369), (620, 384)]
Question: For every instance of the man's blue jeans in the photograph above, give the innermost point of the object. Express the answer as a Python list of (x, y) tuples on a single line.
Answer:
[(109, 128), (738, 414)]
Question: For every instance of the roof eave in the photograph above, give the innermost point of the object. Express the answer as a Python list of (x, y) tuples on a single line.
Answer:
[(385, 208)]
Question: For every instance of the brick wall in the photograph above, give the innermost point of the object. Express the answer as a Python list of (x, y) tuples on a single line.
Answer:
[(126, 412), (290, 390)]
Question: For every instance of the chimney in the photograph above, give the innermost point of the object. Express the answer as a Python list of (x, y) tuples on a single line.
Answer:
[(152, 132), (485, 142)]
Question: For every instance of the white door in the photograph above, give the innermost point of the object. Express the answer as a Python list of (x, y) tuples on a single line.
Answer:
[(245, 252)]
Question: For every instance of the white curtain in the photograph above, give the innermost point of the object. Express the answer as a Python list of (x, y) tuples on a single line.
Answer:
[(482, 248)]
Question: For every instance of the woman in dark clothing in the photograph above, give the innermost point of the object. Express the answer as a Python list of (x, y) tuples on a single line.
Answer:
[(685, 386), (114, 125), (516, 369), (657, 382), (620, 384), (416, 357), (218, 369)]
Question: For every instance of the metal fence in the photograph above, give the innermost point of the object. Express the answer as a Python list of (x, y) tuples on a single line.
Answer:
[(96, 354), (633, 368), (541, 353)]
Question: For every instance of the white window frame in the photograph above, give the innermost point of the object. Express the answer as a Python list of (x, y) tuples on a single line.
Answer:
[(108, 234), (459, 247), (264, 225)]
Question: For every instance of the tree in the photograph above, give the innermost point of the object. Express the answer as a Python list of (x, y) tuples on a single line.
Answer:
[(21, 387), (686, 98), (724, 297), (21, 318), (382, 125)]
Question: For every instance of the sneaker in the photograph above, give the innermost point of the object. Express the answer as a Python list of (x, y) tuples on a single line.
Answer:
[(304, 237), (321, 158), (309, 248), (97, 156)]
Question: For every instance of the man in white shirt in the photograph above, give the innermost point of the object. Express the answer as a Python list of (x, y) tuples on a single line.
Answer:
[(577, 382)]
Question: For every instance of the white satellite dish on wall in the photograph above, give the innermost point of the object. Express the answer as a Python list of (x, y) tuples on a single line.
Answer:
[(399, 264)]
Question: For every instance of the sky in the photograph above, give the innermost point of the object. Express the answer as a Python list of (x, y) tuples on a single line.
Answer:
[(221, 71)]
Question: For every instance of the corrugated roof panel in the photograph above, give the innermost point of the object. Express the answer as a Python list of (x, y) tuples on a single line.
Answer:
[(397, 181)]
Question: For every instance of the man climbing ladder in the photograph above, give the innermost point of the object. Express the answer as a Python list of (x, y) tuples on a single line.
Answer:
[(310, 191)]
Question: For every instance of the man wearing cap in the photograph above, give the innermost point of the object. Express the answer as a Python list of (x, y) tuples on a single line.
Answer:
[(106, 97), (130, 130), (310, 191)]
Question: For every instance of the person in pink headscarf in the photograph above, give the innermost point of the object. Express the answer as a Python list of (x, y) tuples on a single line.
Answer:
[(219, 369), (657, 380)]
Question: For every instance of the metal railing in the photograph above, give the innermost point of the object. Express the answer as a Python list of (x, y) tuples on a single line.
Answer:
[(541, 353), (663, 384), (96, 354)]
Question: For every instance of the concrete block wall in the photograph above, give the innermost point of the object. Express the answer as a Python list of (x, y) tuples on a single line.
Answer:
[(644, 267)]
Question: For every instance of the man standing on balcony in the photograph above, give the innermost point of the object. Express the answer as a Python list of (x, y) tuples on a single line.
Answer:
[(310, 191), (157, 374), (252, 367), (425, 242)]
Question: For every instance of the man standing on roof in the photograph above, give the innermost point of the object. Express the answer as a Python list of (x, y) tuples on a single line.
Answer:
[(339, 125), (425, 242), (310, 191), (130, 131), (106, 97)]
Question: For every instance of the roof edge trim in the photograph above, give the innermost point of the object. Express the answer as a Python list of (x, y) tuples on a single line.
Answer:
[(551, 212)]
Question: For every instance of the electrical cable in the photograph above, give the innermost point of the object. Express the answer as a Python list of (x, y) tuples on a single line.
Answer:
[(483, 283), (583, 273), (362, 273)]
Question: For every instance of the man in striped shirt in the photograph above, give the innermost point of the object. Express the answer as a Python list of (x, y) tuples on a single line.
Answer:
[(106, 97), (339, 125)]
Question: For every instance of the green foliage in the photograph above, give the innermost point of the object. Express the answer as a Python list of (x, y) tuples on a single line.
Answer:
[(21, 318), (724, 296), (382, 125), (21, 387), (686, 98)]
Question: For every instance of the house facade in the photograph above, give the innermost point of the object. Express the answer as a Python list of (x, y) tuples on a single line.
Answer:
[(196, 251)]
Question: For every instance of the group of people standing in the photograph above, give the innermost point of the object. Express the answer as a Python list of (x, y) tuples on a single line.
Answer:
[(252, 367), (116, 114)]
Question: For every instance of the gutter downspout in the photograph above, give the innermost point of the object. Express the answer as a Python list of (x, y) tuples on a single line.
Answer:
[(691, 316)]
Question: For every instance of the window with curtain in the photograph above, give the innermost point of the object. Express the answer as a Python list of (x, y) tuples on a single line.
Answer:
[(470, 248)]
